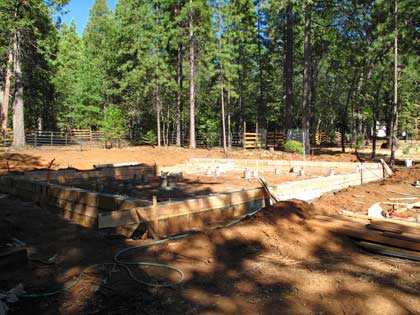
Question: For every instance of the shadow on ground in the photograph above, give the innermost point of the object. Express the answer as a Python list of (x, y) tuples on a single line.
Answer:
[(19, 162), (274, 263)]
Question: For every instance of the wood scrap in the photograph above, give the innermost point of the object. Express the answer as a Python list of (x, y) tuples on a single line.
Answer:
[(351, 230), (403, 204), (117, 218), (386, 167), (392, 227), (365, 216), (404, 236), (406, 198), (267, 190), (390, 251)]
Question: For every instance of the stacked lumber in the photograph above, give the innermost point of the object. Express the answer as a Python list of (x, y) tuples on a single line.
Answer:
[(399, 239)]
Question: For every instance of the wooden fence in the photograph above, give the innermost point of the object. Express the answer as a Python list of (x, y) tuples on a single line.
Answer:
[(55, 138), (276, 139), (327, 137), (6, 136)]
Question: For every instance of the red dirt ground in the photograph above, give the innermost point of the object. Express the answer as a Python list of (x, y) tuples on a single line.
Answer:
[(21, 160), (274, 263)]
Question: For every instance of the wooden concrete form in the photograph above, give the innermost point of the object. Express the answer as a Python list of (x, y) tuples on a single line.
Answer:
[(80, 205), (240, 164), (67, 176), (172, 217), (126, 214)]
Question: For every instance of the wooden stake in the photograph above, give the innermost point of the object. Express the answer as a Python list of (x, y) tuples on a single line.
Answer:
[(387, 169)]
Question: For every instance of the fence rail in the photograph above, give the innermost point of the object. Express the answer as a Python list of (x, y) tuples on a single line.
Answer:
[(88, 138), (207, 141), (56, 138)]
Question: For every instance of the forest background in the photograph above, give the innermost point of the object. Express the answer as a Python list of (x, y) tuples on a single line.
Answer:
[(201, 68)]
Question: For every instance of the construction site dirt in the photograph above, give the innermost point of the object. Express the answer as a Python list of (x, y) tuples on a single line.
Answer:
[(273, 262)]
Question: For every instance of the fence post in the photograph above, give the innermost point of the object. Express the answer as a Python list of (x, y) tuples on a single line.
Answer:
[(36, 138), (52, 138), (65, 138)]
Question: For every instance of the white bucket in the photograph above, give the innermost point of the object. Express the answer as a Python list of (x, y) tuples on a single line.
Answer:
[(408, 163)]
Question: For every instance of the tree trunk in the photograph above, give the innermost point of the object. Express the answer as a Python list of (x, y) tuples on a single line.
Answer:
[(356, 111), (312, 106), (307, 79), (261, 106), (179, 96), (7, 84), (394, 125), (375, 107), (18, 109), (223, 118), (343, 139), (1, 106), (288, 69), (192, 74), (229, 128), (168, 119), (374, 132), (158, 108)]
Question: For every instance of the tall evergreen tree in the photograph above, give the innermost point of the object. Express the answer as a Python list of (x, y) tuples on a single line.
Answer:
[(67, 79)]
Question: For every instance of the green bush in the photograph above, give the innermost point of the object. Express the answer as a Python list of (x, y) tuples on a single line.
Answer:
[(406, 149), (359, 142), (293, 146), (150, 138), (113, 123)]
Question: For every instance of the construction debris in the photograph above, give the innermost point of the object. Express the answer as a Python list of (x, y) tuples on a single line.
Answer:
[(376, 211), (393, 238)]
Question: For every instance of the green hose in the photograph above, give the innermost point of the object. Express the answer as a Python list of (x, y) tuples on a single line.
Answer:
[(118, 262)]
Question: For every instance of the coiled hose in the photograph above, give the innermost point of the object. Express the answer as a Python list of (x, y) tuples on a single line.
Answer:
[(118, 262)]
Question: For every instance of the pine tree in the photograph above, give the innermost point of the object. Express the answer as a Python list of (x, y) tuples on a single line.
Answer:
[(67, 78), (96, 47)]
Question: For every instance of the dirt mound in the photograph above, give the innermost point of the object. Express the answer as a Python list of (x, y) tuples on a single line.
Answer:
[(404, 174), (293, 210)]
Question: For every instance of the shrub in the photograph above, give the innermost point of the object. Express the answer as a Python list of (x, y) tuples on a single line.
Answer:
[(113, 123), (406, 150), (359, 142), (293, 146), (150, 138)]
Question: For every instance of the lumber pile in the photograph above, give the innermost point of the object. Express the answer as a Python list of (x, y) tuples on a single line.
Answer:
[(383, 236)]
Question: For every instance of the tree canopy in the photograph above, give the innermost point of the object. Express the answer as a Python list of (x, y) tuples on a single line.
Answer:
[(165, 66)]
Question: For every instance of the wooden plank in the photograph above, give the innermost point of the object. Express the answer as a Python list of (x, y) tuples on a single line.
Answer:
[(404, 236), (117, 218), (365, 234), (365, 216), (267, 189), (241, 207), (403, 204), (199, 204), (392, 227), (127, 230), (75, 207), (391, 251), (82, 220), (386, 167)]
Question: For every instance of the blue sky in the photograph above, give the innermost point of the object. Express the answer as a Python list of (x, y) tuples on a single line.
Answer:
[(78, 10)]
